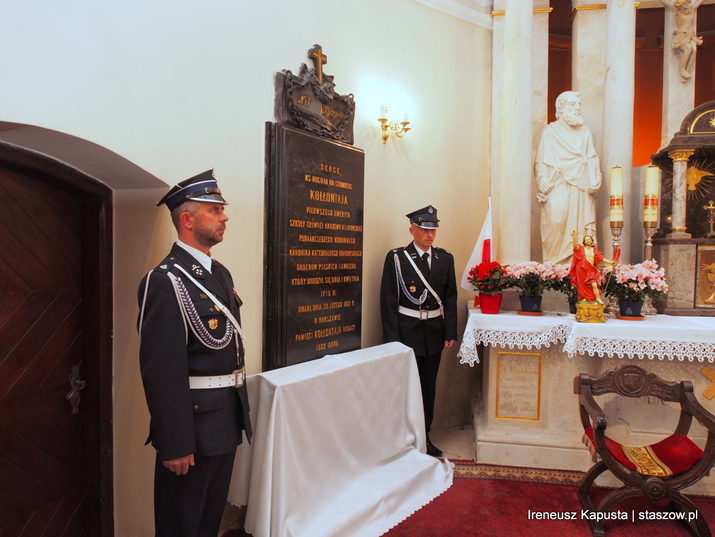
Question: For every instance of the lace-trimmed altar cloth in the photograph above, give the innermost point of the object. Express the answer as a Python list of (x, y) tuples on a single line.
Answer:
[(661, 337), (508, 329)]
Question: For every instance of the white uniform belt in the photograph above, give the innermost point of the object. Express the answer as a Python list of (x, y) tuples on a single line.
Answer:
[(422, 315), (232, 380)]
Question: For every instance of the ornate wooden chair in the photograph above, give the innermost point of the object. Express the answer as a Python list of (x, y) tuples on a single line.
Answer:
[(658, 471)]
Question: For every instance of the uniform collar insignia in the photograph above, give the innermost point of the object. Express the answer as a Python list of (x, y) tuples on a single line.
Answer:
[(197, 270)]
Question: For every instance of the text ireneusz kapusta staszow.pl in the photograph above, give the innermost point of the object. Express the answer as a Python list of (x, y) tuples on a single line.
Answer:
[(587, 514)]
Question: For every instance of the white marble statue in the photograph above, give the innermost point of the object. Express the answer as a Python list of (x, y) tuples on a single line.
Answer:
[(684, 33), (568, 177)]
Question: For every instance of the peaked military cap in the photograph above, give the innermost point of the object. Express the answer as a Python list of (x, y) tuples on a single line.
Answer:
[(425, 218), (201, 187)]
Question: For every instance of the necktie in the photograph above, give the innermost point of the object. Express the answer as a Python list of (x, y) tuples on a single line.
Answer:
[(425, 260)]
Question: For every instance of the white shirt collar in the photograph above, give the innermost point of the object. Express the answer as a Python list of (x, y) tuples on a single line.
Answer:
[(201, 257), (420, 251)]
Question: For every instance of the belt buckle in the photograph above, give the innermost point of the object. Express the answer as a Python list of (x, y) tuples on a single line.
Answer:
[(238, 378), (424, 315)]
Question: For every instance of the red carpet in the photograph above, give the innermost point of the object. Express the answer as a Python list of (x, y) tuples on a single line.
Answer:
[(492, 501), (499, 506)]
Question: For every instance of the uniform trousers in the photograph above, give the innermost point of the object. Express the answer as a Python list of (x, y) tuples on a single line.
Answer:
[(428, 366), (192, 505)]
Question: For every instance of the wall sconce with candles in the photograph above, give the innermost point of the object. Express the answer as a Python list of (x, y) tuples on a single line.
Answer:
[(399, 128)]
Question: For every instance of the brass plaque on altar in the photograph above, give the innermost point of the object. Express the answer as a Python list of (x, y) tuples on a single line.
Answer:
[(705, 277), (518, 386)]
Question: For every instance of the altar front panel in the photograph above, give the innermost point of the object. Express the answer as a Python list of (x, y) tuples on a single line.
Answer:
[(550, 436)]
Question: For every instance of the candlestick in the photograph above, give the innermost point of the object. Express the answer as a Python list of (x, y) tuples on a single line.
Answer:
[(649, 232), (710, 208)]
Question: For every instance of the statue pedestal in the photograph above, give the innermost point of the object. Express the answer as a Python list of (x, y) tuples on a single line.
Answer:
[(588, 312)]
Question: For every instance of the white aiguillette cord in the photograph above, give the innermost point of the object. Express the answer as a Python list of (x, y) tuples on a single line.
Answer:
[(219, 305), (428, 286)]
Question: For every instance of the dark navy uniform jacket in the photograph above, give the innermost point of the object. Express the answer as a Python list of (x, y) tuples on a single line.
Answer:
[(425, 337), (183, 421)]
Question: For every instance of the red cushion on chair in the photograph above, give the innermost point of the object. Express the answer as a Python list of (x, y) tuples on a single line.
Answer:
[(677, 453)]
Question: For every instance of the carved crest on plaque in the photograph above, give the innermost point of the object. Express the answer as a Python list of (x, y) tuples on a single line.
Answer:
[(308, 101)]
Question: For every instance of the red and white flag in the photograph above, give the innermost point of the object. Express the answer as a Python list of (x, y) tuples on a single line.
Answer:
[(482, 250)]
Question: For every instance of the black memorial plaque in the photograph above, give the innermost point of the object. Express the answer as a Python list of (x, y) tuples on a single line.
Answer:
[(314, 245)]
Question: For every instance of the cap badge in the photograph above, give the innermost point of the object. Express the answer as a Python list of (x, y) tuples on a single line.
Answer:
[(430, 209)]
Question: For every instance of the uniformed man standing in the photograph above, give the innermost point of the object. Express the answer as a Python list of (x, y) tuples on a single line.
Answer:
[(418, 302), (192, 366)]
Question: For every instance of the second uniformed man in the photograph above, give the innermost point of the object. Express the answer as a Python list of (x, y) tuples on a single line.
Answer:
[(418, 302)]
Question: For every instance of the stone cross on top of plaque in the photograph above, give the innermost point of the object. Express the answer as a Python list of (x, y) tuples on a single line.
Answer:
[(309, 102)]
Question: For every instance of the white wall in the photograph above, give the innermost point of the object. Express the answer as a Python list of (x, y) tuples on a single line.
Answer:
[(178, 87)]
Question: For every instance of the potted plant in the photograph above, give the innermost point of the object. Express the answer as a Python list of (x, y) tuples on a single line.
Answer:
[(567, 287), (489, 278), (533, 279), (631, 284)]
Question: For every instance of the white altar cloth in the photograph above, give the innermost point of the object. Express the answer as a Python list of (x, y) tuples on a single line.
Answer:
[(338, 447), (656, 337), (509, 329)]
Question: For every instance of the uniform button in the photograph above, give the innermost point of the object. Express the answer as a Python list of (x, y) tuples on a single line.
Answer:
[(196, 407)]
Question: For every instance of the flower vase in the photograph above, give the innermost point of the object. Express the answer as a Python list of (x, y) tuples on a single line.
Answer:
[(530, 305), (630, 310), (490, 304)]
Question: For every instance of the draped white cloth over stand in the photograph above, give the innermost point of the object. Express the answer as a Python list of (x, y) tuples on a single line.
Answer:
[(338, 447), (661, 337)]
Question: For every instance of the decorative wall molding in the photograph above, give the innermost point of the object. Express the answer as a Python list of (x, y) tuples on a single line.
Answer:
[(464, 11)]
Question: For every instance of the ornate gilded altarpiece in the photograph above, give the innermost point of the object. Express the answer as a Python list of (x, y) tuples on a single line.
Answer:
[(687, 261)]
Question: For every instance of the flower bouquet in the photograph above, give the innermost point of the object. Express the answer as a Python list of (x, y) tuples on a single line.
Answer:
[(635, 282), (534, 278), (488, 277)]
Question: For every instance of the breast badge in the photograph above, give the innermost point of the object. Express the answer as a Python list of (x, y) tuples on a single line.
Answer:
[(213, 324)]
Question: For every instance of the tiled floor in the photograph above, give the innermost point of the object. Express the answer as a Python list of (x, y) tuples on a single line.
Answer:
[(457, 443)]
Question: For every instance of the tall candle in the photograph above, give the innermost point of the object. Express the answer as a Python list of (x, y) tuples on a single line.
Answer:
[(616, 206), (650, 200), (652, 180), (616, 181)]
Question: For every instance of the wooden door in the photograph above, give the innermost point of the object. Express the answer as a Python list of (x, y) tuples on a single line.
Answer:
[(42, 452)]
